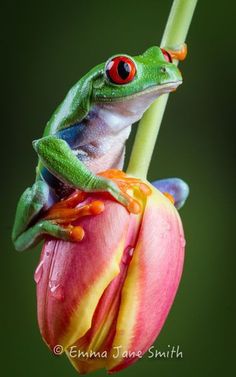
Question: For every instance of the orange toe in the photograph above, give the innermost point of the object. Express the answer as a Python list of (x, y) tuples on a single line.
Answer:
[(77, 233), (72, 201), (126, 184), (96, 207), (170, 197)]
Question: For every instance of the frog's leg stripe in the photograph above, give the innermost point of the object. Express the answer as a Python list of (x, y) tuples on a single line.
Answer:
[(175, 187)]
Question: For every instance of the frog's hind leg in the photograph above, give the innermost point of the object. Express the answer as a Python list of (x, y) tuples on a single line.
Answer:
[(174, 187), (29, 228), (33, 235), (34, 199)]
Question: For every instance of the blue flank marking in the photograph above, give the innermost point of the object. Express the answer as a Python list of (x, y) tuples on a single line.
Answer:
[(72, 135)]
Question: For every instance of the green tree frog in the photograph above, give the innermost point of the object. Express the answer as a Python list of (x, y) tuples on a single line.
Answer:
[(87, 134)]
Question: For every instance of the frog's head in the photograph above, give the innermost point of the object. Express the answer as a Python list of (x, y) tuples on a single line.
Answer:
[(124, 87), (145, 76)]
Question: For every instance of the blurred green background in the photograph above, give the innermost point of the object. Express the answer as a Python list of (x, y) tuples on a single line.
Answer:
[(49, 45)]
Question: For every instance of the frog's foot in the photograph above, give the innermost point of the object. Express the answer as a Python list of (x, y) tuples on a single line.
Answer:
[(174, 189), (170, 197), (62, 213), (178, 53), (75, 233), (126, 184), (72, 201)]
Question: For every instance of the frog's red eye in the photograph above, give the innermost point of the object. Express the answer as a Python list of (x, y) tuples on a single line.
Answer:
[(120, 70), (166, 55)]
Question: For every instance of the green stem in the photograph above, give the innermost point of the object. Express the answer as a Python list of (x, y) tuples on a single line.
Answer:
[(174, 35)]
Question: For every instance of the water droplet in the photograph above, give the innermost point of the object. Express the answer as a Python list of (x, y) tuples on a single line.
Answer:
[(127, 256), (182, 241), (38, 272), (56, 290), (131, 251)]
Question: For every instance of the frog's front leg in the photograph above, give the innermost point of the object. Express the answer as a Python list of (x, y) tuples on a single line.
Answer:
[(57, 156)]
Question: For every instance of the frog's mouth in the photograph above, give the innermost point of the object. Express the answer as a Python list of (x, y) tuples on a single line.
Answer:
[(118, 113), (159, 89), (156, 90)]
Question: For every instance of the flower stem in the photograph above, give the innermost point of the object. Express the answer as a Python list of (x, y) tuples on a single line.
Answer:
[(174, 35)]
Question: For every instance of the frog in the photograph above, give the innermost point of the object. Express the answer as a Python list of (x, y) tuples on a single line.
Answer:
[(87, 134)]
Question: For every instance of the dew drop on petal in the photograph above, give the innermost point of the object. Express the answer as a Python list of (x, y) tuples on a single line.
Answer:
[(127, 256), (182, 241), (56, 290), (59, 293), (131, 251), (38, 272)]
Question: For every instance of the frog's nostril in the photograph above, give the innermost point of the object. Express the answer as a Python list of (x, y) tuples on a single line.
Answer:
[(163, 69)]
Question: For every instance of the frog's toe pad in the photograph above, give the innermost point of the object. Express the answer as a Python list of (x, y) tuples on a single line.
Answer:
[(126, 183), (76, 233), (175, 187)]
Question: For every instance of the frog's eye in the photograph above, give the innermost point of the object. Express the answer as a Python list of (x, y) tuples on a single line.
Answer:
[(120, 70), (166, 55)]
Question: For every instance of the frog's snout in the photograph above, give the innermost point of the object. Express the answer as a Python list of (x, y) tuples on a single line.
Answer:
[(170, 74)]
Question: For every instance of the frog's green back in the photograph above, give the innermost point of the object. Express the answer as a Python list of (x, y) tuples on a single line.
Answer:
[(76, 104)]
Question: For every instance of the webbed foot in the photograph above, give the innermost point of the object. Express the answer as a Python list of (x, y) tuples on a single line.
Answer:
[(125, 184)]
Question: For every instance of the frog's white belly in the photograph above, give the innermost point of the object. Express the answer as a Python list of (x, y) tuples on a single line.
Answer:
[(108, 126)]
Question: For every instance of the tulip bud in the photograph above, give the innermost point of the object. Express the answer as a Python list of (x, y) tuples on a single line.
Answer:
[(105, 299)]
